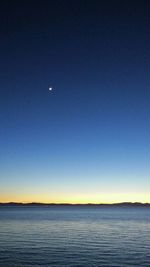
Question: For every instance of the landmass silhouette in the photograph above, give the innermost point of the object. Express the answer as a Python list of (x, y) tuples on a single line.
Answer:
[(122, 204)]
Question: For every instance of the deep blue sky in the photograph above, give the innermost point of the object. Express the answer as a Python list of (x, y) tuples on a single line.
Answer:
[(88, 139)]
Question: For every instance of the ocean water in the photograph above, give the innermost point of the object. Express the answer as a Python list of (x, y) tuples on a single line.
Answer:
[(74, 236)]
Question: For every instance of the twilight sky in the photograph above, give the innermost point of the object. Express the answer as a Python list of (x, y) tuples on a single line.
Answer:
[(88, 140)]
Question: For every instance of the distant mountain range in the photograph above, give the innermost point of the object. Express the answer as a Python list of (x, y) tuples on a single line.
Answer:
[(122, 204)]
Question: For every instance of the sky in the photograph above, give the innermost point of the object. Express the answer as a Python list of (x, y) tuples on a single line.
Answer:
[(87, 140)]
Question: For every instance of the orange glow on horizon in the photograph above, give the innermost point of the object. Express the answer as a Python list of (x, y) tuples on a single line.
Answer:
[(76, 199)]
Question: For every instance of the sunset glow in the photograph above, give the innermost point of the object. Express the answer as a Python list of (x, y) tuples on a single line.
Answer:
[(75, 106)]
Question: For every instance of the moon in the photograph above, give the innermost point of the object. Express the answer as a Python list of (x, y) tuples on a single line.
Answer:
[(50, 88)]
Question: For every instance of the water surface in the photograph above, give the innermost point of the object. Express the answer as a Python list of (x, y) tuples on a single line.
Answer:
[(74, 236)]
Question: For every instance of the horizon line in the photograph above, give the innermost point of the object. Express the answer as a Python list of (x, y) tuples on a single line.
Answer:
[(67, 203)]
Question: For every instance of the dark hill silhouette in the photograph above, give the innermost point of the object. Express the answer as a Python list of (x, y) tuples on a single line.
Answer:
[(122, 204)]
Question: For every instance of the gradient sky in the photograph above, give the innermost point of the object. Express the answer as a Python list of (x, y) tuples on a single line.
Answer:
[(88, 140)]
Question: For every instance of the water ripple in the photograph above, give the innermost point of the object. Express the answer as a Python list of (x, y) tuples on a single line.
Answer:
[(74, 237)]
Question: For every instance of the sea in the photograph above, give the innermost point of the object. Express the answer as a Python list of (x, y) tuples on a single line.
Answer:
[(74, 236)]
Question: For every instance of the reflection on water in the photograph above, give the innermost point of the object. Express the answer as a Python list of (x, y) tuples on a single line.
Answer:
[(74, 236)]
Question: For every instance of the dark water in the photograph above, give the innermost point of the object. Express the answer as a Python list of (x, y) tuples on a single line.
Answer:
[(74, 236)]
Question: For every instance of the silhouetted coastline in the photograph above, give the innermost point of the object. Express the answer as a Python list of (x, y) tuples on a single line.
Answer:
[(122, 204)]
